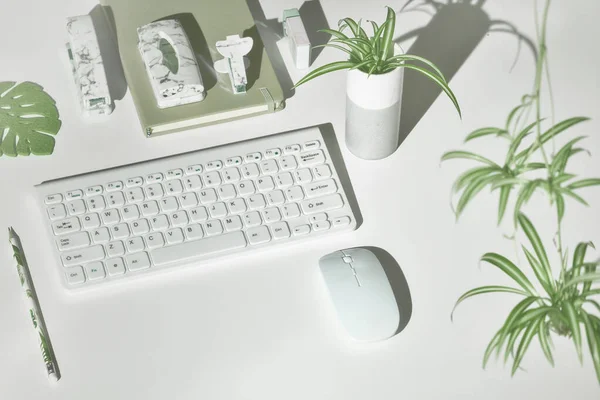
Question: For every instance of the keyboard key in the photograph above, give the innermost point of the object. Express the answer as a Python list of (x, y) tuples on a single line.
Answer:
[(110, 217), (256, 202), (135, 244), (91, 221), (233, 223), (75, 275), (231, 161), (217, 210), (116, 200), (321, 188), (272, 153), (135, 195), (76, 207), (73, 241), (253, 157), (119, 231), (291, 149), (65, 226), (74, 195), (155, 240), (291, 211), (212, 179), (115, 249), (94, 190), (138, 261), (213, 227), (57, 212), (310, 158), (322, 172), (174, 236), (153, 178), (190, 250), (231, 175), (194, 232), (252, 219), (199, 214), (53, 198), (214, 165), (114, 186), (169, 204), (288, 163), (154, 191), (294, 193), (188, 200), (317, 218), (180, 218), (246, 188), (115, 266), (321, 226), (275, 198), (269, 167), (284, 180), (303, 176), (341, 221), (130, 212), (95, 271), (312, 145), (100, 235), (160, 222), (82, 256), (237, 206), (174, 174), (250, 171), (192, 183), (193, 169), (96, 203), (208, 196), (322, 204), (134, 182), (226, 192), (150, 208), (280, 230), (271, 215), (302, 230), (258, 235), (265, 184), (140, 227), (174, 187)]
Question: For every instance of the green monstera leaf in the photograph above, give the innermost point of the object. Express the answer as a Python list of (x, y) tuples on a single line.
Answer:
[(28, 120)]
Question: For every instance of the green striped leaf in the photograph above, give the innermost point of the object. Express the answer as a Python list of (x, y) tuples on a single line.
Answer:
[(484, 290), (574, 325), (356, 49), (409, 57), (593, 337), (387, 43), (335, 34), (540, 273), (559, 162), (504, 195), (545, 342), (584, 183), (529, 334), (579, 256), (494, 344), (549, 134), (585, 278), (510, 269), (467, 155), (472, 190), (514, 146), (573, 195), (485, 132), (509, 181), (537, 245), (465, 178), (339, 65), (524, 196), (560, 206)]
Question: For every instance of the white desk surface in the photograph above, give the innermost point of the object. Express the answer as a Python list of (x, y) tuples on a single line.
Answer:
[(264, 328)]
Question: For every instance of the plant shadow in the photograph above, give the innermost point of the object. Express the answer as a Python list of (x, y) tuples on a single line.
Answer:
[(451, 36)]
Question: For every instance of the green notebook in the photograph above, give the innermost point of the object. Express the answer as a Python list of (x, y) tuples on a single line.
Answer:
[(205, 22)]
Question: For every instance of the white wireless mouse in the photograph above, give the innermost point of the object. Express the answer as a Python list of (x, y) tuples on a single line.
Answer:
[(361, 293)]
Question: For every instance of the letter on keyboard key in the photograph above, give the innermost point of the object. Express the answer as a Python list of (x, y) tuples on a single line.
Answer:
[(322, 204), (190, 250), (83, 256), (66, 226)]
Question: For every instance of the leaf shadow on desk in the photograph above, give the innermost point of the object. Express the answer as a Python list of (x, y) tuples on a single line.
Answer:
[(451, 36), (103, 20), (271, 31)]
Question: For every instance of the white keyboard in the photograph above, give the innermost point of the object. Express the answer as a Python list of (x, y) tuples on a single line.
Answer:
[(137, 219)]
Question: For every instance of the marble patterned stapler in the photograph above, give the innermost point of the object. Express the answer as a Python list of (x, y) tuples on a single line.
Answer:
[(86, 64), (234, 48), (170, 63)]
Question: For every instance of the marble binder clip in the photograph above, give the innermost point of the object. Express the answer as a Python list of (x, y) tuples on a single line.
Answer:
[(87, 67), (234, 48), (294, 30), (170, 63)]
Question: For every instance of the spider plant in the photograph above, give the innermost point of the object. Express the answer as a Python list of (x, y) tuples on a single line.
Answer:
[(566, 306), (375, 54)]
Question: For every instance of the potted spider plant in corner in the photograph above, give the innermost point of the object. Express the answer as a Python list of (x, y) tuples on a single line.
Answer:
[(374, 84)]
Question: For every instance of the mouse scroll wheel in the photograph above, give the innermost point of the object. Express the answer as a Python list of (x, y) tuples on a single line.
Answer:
[(347, 259)]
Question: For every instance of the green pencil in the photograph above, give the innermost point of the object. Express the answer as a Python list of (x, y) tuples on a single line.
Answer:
[(33, 306)]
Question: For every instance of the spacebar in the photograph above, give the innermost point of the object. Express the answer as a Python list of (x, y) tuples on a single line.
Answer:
[(198, 248)]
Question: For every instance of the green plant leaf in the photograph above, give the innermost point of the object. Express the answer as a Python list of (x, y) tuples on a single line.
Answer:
[(584, 183), (485, 132), (573, 195), (334, 33), (579, 256), (537, 245), (471, 174), (509, 182), (409, 57), (545, 342), (591, 278), (511, 321), (335, 66), (468, 156), (358, 51), (357, 31), (562, 178), (544, 280), (593, 336), (574, 325), (504, 195), (335, 46), (29, 120), (523, 196), (472, 189), (514, 146), (483, 290), (532, 167), (387, 48), (560, 206), (510, 269), (494, 344), (559, 162), (529, 334)]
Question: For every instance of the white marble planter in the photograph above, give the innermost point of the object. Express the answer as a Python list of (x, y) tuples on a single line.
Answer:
[(373, 112)]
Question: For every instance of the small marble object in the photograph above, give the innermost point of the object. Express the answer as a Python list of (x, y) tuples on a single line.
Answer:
[(234, 48), (87, 67), (170, 63)]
